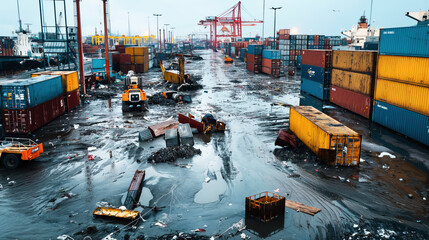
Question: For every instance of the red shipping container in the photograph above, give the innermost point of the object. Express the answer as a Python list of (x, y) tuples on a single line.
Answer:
[(271, 63), (284, 31), (275, 72), (116, 58), (318, 58), (255, 59), (72, 99), (125, 68), (31, 119), (256, 68), (139, 68), (284, 37), (355, 102), (124, 58)]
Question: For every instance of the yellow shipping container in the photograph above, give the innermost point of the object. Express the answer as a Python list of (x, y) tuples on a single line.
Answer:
[(407, 69), (137, 51), (358, 61), (412, 97), (356, 82), (69, 79), (330, 140), (129, 50)]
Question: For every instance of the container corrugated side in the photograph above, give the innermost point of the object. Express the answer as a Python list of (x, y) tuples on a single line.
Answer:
[(254, 49), (406, 69), (357, 61), (412, 97), (314, 88), (70, 79), (405, 41), (406, 122), (318, 58), (352, 101), (317, 74), (330, 140), (31, 92), (357, 82), (271, 54)]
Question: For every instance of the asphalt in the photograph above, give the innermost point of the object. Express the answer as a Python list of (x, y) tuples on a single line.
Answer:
[(55, 195)]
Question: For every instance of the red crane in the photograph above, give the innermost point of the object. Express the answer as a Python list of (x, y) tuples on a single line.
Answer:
[(229, 22)]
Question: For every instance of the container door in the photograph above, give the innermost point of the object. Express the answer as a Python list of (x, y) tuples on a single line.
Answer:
[(347, 149)]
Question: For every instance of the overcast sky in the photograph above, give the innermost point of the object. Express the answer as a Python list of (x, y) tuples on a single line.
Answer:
[(327, 17)]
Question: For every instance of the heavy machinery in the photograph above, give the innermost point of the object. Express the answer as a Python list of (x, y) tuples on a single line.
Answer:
[(131, 201), (133, 97), (14, 150), (227, 59), (176, 76), (208, 123)]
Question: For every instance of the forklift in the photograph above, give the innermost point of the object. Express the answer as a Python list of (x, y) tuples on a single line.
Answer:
[(15, 150), (133, 97)]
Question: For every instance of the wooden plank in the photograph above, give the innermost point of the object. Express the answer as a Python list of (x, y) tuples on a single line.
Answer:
[(160, 128), (302, 207)]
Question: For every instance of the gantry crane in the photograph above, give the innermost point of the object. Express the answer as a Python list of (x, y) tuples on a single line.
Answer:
[(230, 24)]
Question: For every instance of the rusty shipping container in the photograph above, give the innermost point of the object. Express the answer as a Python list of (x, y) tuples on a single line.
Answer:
[(275, 72), (28, 120), (352, 101), (407, 69), (255, 59), (408, 96), (330, 140), (357, 82), (256, 68), (318, 58), (70, 79), (72, 99), (357, 61), (271, 63)]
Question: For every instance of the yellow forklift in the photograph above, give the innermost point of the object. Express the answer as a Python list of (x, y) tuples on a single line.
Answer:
[(133, 97), (176, 76)]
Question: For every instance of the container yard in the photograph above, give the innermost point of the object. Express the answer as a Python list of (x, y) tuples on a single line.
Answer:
[(148, 129)]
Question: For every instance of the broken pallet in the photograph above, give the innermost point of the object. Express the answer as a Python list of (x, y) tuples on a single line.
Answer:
[(302, 207)]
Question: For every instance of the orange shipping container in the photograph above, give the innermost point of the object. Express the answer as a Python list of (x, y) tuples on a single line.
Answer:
[(357, 61), (406, 69), (356, 82)]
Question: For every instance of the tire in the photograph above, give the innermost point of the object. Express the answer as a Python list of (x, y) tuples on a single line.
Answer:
[(125, 107), (11, 161)]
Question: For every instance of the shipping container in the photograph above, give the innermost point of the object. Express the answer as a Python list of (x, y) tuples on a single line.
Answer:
[(314, 88), (98, 63), (329, 139), (271, 54), (362, 83), (406, 122), (406, 69), (70, 79), (265, 206), (352, 101), (275, 72), (271, 63), (317, 74), (256, 68), (134, 190), (255, 59), (254, 49), (318, 58), (72, 99), (412, 97), (357, 61), (31, 92), (405, 41), (28, 120)]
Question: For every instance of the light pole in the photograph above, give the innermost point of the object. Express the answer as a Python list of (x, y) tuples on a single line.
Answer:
[(263, 21), (157, 15), (275, 11), (165, 32), (172, 34)]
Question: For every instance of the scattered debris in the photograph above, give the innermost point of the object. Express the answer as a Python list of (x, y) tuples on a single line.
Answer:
[(172, 153), (265, 206), (160, 128), (161, 224), (11, 183), (207, 179), (171, 138), (90, 157), (91, 149), (286, 138), (302, 207), (185, 134), (199, 230), (145, 135), (386, 154)]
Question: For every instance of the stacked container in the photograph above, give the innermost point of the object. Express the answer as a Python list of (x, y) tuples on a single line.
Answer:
[(271, 62), (402, 85), (254, 58), (139, 58), (352, 82), (316, 72), (6, 46), (70, 83), (243, 54), (30, 104)]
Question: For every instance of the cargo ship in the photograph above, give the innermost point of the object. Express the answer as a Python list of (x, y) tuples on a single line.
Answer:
[(362, 33)]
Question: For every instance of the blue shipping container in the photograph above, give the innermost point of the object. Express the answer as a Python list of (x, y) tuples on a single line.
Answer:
[(409, 123), (405, 41), (31, 92), (98, 63), (314, 88), (317, 74), (254, 49), (242, 51), (271, 54)]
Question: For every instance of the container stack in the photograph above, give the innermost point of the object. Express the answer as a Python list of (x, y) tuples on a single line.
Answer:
[(316, 73), (139, 58), (243, 54), (70, 83), (254, 58), (352, 82), (30, 104), (316, 42), (6, 46), (402, 85), (99, 65), (284, 46), (271, 62)]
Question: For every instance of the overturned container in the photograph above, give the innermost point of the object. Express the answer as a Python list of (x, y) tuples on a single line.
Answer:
[(330, 140), (265, 206)]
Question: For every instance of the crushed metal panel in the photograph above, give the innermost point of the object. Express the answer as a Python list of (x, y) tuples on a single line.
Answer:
[(145, 135), (160, 128)]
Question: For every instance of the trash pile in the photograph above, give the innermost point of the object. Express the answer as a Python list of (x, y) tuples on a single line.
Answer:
[(170, 154)]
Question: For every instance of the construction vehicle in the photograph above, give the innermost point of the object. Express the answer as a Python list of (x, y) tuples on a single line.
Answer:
[(228, 59), (208, 123), (15, 150), (176, 76), (131, 201), (133, 97)]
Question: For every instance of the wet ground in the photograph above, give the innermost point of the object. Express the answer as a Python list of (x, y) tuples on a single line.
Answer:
[(56, 194)]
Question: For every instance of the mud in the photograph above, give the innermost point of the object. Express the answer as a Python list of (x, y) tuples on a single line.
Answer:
[(170, 154), (55, 194)]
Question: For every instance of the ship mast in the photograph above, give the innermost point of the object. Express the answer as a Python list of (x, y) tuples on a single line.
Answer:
[(19, 16)]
